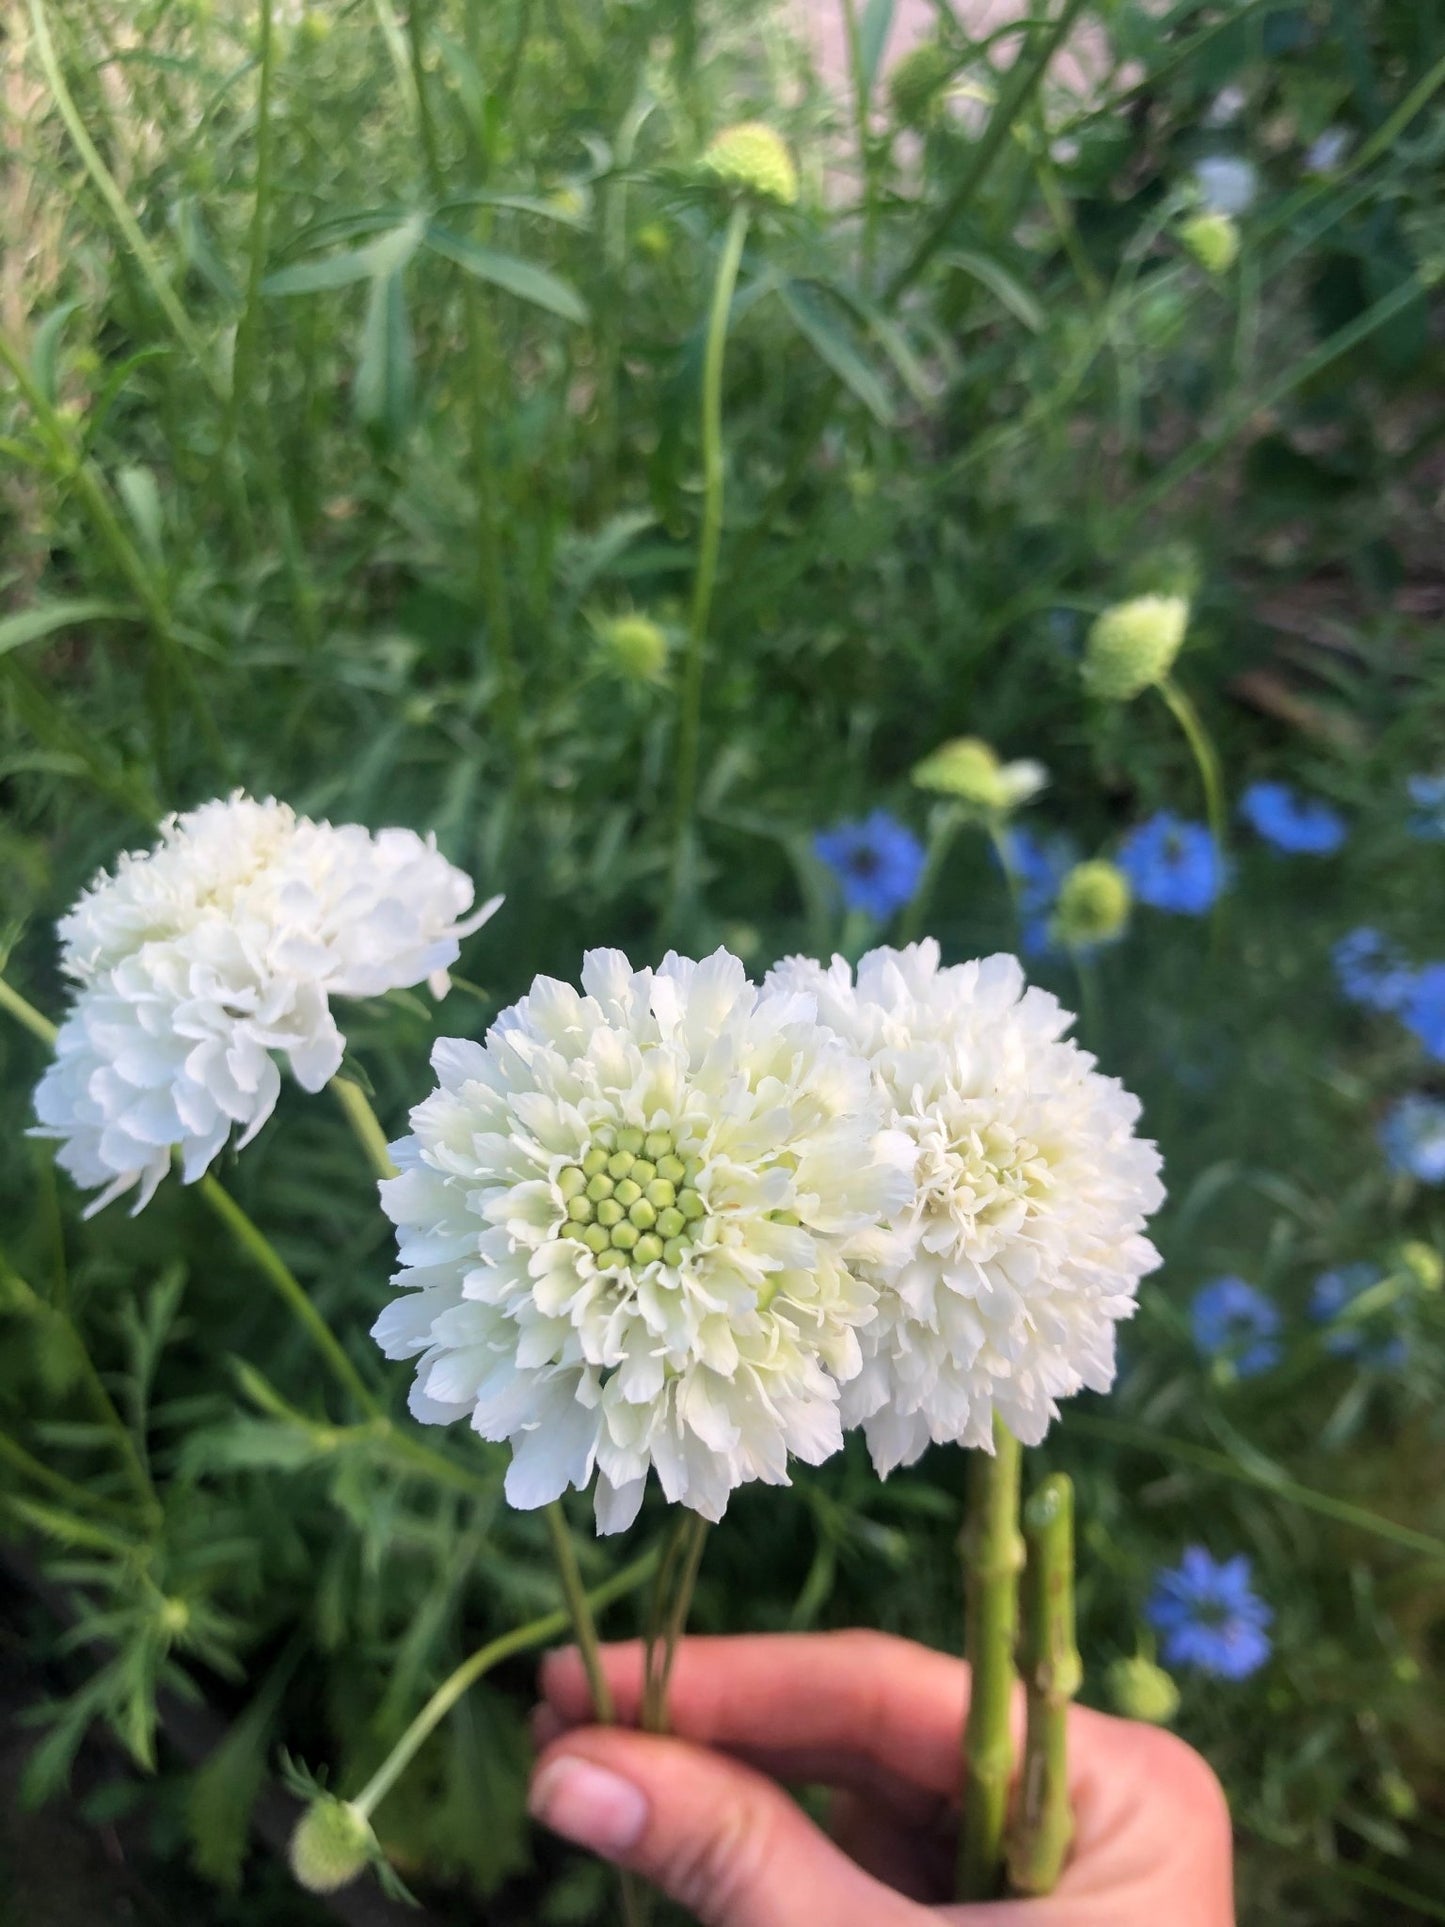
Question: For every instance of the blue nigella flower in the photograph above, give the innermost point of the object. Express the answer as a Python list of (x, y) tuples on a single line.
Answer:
[(1038, 866), (1334, 1292), (1227, 183), (879, 862), (1209, 1615), (1302, 825), (1427, 820), (1413, 1137), (1231, 1320), (1172, 864), (1371, 970), (1422, 1008)]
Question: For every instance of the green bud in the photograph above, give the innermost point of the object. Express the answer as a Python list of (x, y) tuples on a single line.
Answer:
[(674, 1251), (599, 1187), (571, 1180), (1093, 905), (610, 1212), (624, 1236), (642, 1214), (647, 1250), (1398, 1795), (1212, 239), (1132, 646), (690, 1204), (627, 1193), (620, 1163), (643, 1172), (595, 1161), (580, 1210), (751, 159), (1141, 1690), (635, 646), (1423, 1262), (660, 1193), (631, 1139), (969, 769), (596, 1237), (672, 1168), (657, 1144), (671, 1223), (612, 1259), (333, 1841), (917, 82)]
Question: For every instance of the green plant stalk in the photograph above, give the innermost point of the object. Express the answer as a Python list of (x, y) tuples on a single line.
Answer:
[(689, 725), (25, 1014), (243, 358), (1025, 76), (425, 124), (683, 1559), (181, 324), (993, 1553), (580, 1613), (491, 571), (865, 146), (1206, 760), (365, 1125), (1043, 1823), (943, 829), (21, 1461), (536, 1632)]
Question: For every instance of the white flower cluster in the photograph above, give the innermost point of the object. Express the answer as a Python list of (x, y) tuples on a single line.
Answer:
[(682, 1222), (200, 961)]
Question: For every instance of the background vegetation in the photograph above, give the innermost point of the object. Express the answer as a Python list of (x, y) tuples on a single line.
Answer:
[(351, 389)]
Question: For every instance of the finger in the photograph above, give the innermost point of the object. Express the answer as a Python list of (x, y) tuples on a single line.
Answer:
[(718, 1838), (916, 1861), (855, 1708)]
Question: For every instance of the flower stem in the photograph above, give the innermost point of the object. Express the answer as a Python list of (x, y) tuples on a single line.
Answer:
[(683, 1558), (690, 720), (1206, 760), (993, 1553), (583, 1624), (24, 1012), (1043, 1826), (535, 1633), (364, 1124), (944, 824)]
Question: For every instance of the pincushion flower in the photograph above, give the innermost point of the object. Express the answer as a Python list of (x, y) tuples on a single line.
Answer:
[(971, 769), (201, 962), (1022, 1241), (630, 1226)]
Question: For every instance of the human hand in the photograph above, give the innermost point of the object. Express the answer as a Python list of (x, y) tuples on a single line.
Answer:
[(700, 1813)]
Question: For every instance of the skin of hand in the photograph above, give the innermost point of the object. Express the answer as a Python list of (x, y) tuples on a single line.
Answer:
[(701, 1813)]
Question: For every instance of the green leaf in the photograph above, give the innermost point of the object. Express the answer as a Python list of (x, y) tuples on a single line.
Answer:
[(522, 278), (45, 346), (1010, 293), (387, 255), (385, 372), (833, 347), (873, 31), (142, 498), (225, 1788), (33, 625)]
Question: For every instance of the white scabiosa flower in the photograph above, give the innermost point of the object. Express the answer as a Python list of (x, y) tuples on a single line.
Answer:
[(1022, 1242), (202, 961), (630, 1224)]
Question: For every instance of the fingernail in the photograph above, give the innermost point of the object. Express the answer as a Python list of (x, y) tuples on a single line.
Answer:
[(589, 1805)]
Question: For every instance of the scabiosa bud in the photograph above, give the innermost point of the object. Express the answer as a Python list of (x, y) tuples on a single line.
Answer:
[(1093, 906), (332, 1842), (1140, 1690), (1132, 646), (752, 159), (969, 769), (634, 645), (916, 82), (1213, 239), (1423, 1264)]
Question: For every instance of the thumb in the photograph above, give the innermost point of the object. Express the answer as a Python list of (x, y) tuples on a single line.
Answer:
[(723, 1841)]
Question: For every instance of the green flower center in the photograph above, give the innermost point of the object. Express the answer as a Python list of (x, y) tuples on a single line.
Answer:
[(632, 1200)]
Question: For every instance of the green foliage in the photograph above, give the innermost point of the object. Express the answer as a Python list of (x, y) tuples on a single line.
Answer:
[(353, 368)]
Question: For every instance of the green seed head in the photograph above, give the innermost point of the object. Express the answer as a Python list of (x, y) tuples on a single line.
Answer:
[(332, 1843), (1423, 1263), (635, 645), (751, 159), (1142, 1691), (1093, 905), (1212, 239), (1132, 646)]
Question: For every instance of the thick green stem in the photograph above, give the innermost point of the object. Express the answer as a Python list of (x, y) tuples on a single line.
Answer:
[(1206, 761), (535, 1633), (993, 1554), (25, 1013), (364, 1124), (583, 1624), (680, 1567), (690, 720), (1043, 1824)]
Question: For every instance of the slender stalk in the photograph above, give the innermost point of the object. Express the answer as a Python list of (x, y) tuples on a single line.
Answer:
[(248, 327), (865, 146), (25, 1013), (535, 1633), (14, 1455), (580, 1613), (690, 721), (1206, 761), (944, 826), (277, 1272), (364, 1124), (685, 1557), (993, 1553), (1025, 76), (426, 125), (1043, 1825), (181, 325)]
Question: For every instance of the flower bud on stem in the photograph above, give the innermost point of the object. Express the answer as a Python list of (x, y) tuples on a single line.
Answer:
[(1043, 1821), (993, 1553)]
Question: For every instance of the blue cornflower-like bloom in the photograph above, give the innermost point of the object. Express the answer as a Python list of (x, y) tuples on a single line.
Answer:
[(1413, 1137), (879, 862), (1038, 865), (1371, 970), (1173, 864), (1231, 1320), (1209, 1615), (1422, 1008), (1334, 1292), (1427, 819), (1301, 825)]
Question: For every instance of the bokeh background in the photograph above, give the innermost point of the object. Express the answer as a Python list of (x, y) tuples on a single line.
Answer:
[(350, 452)]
